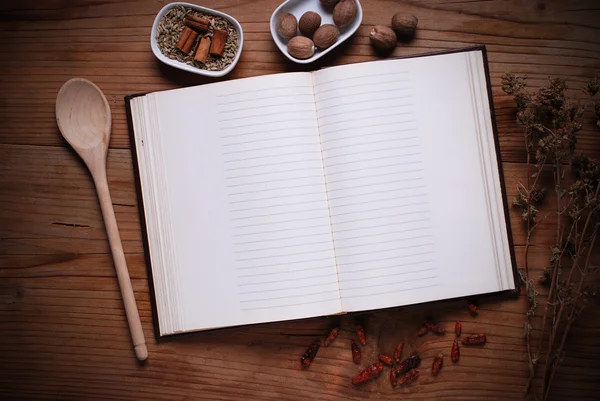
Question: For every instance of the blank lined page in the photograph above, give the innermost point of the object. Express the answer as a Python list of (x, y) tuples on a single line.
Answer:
[(248, 205), (404, 178)]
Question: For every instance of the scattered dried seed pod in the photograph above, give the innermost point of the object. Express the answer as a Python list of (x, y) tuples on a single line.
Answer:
[(369, 373), (310, 354), (398, 351), (434, 327), (386, 359), (344, 12), (409, 363), (393, 377), (301, 47), (422, 331), (438, 361), (409, 377), (326, 36), (329, 3), (458, 329), (332, 336), (356, 354), (474, 339), (382, 37), (404, 24), (473, 308), (287, 25), (309, 23), (360, 332), (455, 353)]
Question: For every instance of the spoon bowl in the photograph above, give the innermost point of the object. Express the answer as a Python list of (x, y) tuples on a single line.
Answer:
[(84, 119), (83, 114)]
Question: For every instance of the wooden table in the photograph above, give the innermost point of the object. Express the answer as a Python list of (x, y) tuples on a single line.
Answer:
[(63, 333)]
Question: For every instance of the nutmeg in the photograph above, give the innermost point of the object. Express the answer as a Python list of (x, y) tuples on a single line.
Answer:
[(309, 23), (301, 47), (326, 36), (404, 24), (329, 3), (287, 25), (382, 37), (344, 12)]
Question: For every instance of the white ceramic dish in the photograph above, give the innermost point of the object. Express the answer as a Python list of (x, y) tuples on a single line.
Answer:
[(299, 7), (189, 68)]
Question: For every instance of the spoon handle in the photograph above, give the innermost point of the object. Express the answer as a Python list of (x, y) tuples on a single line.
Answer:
[(133, 316)]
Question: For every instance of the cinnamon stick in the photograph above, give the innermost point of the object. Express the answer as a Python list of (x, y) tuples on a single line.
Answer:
[(202, 50), (189, 43), (197, 26), (185, 34), (217, 48), (200, 20)]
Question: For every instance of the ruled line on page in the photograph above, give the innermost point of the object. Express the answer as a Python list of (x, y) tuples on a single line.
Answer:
[(281, 247), (378, 183), (389, 292), (375, 167), (277, 155), (277, 205), (262, 131), (385, 242), (275, 214), (294, 103), (373, 151), (281, 256), (287, 271), (376, 175), (385, 199), (399, 139), (277, 197), (349, 120), (329, 81), (288, 305), (381, 208), (386, 233), (280, 222), (288, 296), (377, 91), (376, 226), (384, 216), (286, 263), (237, 93), (262, 123), (262, 148), (362, 278), (394, 81), (272, 164), (361, 109), (284, 272), (380, 158), (255, 99), (278, 113), (360, 287), (382, 260), (274, 231), (272, 189), (281, 238), (287, 288), (270, 181), (396, 248), (355, 127), (272, 172), (395, 131), (396, 266), (269, 139)]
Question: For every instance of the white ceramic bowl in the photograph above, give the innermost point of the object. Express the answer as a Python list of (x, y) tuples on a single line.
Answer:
[(299, 7), (189, 68)]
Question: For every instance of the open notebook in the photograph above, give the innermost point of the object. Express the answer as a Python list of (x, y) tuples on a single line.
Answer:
[(296, 195)]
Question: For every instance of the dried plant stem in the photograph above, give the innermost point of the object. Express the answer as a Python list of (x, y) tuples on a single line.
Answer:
[(571, 317)]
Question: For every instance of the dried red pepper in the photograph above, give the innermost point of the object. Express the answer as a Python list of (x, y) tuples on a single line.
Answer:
[(386, 359), (438, 361), (408, 364), (434, 327), (409, 377), (393, 377), (369, 373), (310, 354), (332, 336), (356, 355), (474, 339), (422, 331), (458, 329), (455, 353), (473, 308), (398, 351), (360, 331)]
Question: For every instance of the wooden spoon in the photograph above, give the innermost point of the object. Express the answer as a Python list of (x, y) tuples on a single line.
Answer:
[(84, 119)]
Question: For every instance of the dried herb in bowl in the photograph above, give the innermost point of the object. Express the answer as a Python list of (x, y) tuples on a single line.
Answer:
[(172, 25)]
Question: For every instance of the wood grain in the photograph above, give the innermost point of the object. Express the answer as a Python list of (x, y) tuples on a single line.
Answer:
[(63, 331)]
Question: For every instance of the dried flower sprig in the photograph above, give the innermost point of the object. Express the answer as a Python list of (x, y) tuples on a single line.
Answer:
[(551, 121)]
